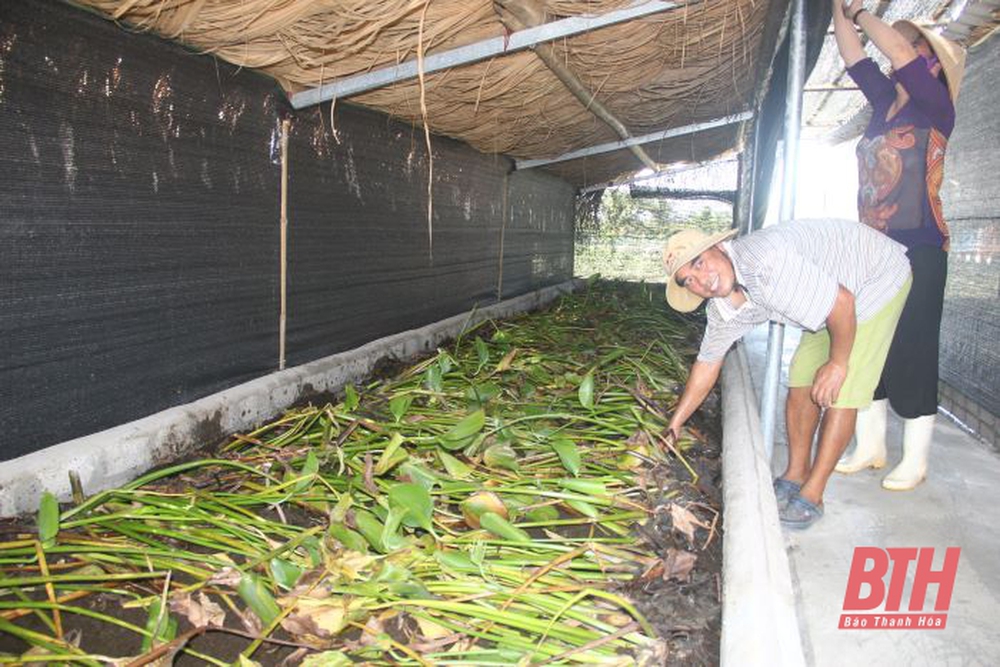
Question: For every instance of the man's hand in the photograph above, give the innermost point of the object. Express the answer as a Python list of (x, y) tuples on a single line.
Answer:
[(700, 382), (827, 383)]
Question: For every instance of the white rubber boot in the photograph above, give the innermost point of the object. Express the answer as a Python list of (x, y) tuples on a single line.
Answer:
[(912, 469), (869, 452)]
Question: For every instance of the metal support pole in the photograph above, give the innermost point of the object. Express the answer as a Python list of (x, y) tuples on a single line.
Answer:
[(793, 118), (745, 184)]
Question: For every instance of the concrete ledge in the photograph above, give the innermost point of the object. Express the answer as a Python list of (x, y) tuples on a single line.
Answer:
[(759, 622), (117, 455)]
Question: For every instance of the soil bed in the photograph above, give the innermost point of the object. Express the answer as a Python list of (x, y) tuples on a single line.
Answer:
[(510, 500)]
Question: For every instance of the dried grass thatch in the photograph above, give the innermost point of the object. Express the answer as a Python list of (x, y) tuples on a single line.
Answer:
[(699, 61)]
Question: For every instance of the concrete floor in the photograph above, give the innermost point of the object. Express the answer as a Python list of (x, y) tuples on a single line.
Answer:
[(958, 505)]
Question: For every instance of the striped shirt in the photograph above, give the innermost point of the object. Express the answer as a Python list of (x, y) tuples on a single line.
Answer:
[(791, 272)]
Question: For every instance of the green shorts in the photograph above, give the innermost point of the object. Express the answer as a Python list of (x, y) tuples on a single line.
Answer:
[(864, 367)]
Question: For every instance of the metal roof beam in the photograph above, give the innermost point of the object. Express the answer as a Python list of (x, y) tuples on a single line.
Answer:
[(676, 168), (471, 53), (634, 141)]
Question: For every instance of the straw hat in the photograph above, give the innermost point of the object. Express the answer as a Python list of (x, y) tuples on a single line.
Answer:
[(680, 249), (950, 54)]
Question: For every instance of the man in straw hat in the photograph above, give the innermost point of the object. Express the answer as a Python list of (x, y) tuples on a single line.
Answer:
[(843, 282), (901, 168)]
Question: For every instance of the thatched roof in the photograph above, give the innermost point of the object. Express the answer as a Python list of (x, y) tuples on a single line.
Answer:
[(699, 61), (696, 61)]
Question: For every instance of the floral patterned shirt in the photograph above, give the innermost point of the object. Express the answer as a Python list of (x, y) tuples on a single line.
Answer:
[(901, 160)]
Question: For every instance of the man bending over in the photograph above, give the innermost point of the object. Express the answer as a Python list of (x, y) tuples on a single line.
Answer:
[(842, 282)]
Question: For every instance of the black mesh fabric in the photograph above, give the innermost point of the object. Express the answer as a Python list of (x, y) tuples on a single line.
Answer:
[(538, 239), (363, 261), (970, 328), (139, 227)]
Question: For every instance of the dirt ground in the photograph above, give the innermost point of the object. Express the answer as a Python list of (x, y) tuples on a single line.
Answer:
[(680, 595), (686, 611)]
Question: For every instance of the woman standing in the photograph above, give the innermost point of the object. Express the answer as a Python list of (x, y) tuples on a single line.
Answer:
[(901, 168)]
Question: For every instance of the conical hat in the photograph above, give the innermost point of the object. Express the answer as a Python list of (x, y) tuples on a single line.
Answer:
[(950, 54)]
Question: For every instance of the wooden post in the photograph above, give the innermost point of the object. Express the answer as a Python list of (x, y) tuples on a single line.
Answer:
[(284, 243)]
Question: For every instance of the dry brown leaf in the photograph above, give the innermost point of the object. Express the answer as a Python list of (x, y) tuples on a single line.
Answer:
[(369, 475), (685, 521), (638, 439), (227, 576), (250, 622), (198, 612), (678, 564), (506, 361), (373, 628), (313, 618)]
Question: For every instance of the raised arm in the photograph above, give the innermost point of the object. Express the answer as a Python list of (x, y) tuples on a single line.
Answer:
[(701, 380), (886, 39), (848, 42)]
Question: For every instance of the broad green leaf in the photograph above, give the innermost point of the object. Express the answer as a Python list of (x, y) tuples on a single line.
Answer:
[(411, 590), (418, 474), (339, 511), (351, 398), (391, 538), (464, 432), (500, 527), (392, 455), (589, 487), (584, 508), (309, 469), (433, 379), (445, 362), (161, 626), (614, 354), (326, 659), (455, 467), (456, 561), (501, 455), (285, 573), (315, 551), (390, 572), (399, 404), (416, 502), (586, 391), (483, 352), (253, 591), (480, 394), (542, 514), (568, 453), (48, 520), (348, 537), (371, 528)]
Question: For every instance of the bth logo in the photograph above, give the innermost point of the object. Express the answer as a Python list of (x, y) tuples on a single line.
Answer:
[(867, 589)]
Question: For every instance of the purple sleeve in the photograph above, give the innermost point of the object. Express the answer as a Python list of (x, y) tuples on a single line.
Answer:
[(928, 94), (877, 87)]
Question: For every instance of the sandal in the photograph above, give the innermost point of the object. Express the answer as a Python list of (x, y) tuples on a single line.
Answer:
[(799, 513), (784, 489)]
